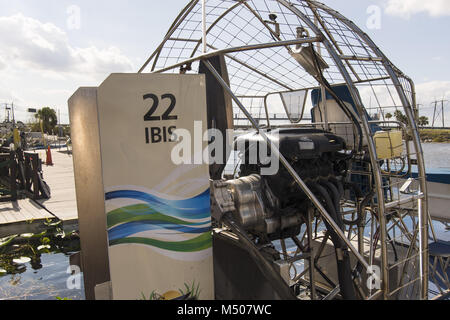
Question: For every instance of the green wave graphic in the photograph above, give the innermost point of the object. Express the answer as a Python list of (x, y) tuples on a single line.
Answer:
[(140, 212), (200, 243)]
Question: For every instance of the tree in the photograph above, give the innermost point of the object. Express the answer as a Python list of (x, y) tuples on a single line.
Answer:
[(388, 116), (48, 118), (401, 117), (423, 121)]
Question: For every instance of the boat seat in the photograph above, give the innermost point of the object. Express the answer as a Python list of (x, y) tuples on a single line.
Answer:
[(336, 115)]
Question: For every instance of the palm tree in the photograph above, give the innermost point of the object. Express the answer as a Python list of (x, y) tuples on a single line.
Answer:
[(423, 121), (388, 116), (401, 117), (48, 118)]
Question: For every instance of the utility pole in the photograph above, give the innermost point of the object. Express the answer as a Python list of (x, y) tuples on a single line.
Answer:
[(7, 112), (439, 111), (417, 111), (13, 117)]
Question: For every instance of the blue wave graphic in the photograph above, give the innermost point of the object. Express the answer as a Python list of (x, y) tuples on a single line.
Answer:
[(131, 228), (194, 208)]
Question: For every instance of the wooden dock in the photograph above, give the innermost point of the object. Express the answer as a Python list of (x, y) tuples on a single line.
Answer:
[(28, 216)]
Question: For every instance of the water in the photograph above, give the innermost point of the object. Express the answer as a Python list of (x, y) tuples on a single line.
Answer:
[(37, 266), (437, 155), (46, 283)]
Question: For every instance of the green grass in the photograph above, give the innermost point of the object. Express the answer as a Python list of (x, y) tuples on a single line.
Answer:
[(435, 135)]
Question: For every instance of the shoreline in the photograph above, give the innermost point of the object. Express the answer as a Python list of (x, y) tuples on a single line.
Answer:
[(435, 135)]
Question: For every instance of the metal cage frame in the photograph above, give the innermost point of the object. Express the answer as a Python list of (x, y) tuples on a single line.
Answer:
[(208, 28)]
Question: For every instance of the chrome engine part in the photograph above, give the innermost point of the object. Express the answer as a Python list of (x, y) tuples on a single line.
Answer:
[(250, 209), (254, 203)]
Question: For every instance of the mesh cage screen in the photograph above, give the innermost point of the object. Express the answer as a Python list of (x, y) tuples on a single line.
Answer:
[(294, 103)]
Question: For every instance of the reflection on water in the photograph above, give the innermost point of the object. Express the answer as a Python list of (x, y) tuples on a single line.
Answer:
[(46, 283), (36, 266)]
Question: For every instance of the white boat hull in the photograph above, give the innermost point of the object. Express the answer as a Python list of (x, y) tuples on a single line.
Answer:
[(439, 201)]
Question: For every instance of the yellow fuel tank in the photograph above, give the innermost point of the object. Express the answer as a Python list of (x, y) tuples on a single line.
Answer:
[(389, 144)]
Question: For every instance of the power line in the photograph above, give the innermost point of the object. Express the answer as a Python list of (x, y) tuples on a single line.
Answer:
[(439, 111), (17, 112)]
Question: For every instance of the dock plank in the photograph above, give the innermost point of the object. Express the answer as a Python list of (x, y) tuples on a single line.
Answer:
[(16, 216), (60, 178)]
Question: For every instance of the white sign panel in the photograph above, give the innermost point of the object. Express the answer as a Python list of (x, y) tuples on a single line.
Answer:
[(158, 213)]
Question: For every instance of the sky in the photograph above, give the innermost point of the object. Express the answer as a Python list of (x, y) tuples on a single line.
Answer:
[(49, 48)]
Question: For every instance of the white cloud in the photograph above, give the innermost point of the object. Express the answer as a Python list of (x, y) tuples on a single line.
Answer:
[(7, 94), (29, 43), (40, 67), (428, 92), (407, 8)]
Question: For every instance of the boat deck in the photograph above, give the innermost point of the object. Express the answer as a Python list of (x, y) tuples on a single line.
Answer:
[(28, 216)]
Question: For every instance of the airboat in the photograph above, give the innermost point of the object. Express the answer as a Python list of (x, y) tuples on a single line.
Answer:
[(346, 214)]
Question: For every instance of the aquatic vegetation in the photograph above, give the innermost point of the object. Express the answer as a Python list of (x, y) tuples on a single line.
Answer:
[(25, 257), (22, 260), (5, 241), (17, 251)]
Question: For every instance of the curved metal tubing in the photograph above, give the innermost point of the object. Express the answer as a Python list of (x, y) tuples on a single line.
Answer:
[(242, 48), (340, 61), (366, 128), (290, 169), (229, 56), (415, 133), (199, 42), (172, 29)]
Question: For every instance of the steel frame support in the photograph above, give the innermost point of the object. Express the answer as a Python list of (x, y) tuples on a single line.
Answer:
[(367, 132), (415, 133), (341, 61), (288, 167)]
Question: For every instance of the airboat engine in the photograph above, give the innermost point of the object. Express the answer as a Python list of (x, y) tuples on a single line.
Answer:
[(272, 207)]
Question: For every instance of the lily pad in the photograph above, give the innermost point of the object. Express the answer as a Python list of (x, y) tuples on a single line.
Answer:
[(27, 235), (5, 241), (39, 235), (53, 224), (22, 260), (3, 272), (44, 246), (61, 235)]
